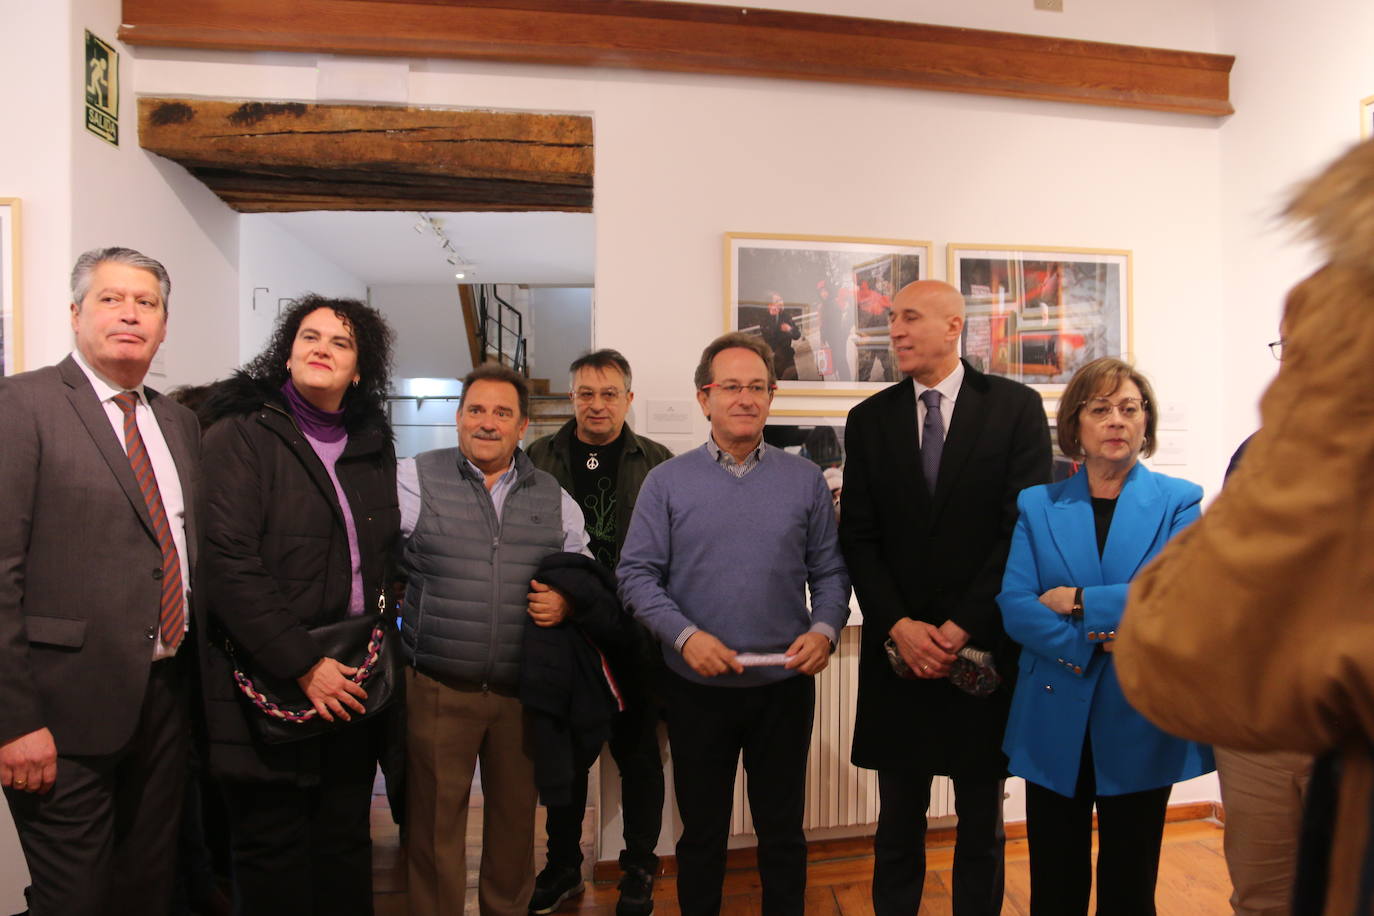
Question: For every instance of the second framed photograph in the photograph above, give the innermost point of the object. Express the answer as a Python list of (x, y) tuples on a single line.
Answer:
[(1037, 314), (821, 303)]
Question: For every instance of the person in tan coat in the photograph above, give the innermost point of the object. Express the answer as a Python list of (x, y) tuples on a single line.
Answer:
[(1253, 628)]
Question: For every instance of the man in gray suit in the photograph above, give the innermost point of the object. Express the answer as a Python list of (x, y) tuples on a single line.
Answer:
[(97, 544)]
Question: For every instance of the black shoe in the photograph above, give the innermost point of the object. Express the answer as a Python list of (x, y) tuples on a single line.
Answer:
[(636, 893), (555, 884)]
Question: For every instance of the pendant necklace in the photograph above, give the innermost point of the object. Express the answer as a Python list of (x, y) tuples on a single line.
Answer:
[(592, 463)]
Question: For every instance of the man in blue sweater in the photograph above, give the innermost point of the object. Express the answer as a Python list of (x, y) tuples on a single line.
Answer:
[(722, 546)]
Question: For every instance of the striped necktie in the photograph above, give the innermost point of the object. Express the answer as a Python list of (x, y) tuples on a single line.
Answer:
[(172, 617)]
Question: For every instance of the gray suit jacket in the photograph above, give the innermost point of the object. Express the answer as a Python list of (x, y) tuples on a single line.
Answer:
[(79, 562)]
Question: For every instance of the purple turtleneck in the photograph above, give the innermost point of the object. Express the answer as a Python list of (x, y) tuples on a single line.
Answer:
[(325, 425), (324, 430)]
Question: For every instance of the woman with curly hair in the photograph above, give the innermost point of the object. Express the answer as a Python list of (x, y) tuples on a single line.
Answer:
[(302, 519)]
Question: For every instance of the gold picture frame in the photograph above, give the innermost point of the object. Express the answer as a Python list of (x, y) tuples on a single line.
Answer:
[(821, 302), (11, 273), (1036, 313)]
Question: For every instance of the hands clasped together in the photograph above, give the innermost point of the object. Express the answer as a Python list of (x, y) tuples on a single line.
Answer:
[(709, 657), (927, 649)]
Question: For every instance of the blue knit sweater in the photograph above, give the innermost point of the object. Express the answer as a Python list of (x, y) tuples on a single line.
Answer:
[(733, 556)]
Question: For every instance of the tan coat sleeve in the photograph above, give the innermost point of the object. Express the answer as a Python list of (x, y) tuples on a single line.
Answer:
[(1255, 627)]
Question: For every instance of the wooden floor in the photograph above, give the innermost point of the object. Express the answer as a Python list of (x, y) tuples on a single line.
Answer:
[(1192, 875)]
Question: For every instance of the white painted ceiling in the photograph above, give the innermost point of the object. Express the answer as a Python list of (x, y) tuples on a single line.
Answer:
[(383, 248)]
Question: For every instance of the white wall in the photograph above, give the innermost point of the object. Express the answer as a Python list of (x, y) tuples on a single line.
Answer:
[(126, 196), (560, 330), (79, 192), (275, 265), (1297, 84), (431, 341), (36, 76)]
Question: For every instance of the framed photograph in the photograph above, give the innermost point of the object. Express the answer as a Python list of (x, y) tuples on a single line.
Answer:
[(817, 436), (11, 341), (821, 304), (1037, 314), (1367, 117)]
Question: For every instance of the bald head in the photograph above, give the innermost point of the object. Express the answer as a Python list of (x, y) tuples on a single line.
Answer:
[(926, 320), (936, 296)]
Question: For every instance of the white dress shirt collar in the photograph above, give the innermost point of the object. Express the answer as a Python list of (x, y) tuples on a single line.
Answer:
[(948, 386), (104, 388)]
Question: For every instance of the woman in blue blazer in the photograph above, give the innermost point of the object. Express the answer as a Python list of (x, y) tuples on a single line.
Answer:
[(1072, 735)]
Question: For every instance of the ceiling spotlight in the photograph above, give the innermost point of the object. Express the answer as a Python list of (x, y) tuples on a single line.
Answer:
[(459, 275)]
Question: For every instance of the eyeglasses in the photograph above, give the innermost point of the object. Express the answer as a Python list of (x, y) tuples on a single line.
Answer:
[(1276, 348), (735, 389), (608, 395), (1100, 408)]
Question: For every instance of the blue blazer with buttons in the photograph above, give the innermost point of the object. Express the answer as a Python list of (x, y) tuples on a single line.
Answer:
[(1067, 687)]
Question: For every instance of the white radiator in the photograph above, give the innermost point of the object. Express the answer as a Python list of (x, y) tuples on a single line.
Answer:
[(838, 794)]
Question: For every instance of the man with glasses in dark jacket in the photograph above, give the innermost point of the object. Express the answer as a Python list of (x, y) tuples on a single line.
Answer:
[(597, 458)]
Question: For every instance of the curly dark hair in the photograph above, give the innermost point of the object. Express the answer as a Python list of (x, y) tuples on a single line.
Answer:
[(372, 335)]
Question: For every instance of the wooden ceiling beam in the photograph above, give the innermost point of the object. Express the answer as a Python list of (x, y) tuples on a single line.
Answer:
[(699, 38), (292, 156)]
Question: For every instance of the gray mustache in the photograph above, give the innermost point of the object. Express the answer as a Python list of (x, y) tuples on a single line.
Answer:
[(489, 436)]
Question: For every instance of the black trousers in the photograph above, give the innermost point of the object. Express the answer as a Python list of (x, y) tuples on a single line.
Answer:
[(1130, 829), (103, 841), (307, 851), (899, 846), (708, 728), (634, 746)]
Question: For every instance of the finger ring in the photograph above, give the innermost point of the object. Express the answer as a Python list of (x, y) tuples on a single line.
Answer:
[(19, 782), (925, 667)]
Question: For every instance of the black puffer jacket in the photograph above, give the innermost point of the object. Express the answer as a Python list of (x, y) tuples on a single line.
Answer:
[(276, 559)]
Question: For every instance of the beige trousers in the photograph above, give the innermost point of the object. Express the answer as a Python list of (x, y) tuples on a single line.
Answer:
[(1262, 793), (449, 727)]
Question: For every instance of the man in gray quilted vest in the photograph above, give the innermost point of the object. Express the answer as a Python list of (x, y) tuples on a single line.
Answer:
[(477, 520)]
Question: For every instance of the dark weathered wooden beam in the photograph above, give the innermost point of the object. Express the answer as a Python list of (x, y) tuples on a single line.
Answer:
[(697, 38), (261, 156)]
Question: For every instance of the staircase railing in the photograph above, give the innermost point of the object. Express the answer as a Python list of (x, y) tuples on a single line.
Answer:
[(501, 330)]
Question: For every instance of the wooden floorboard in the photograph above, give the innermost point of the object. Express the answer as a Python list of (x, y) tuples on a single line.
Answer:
[(1192, 875)]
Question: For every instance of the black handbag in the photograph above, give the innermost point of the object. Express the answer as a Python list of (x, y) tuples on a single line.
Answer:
[(278, 711)]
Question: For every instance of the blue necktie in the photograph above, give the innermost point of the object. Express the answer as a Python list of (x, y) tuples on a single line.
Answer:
[(932, 437)]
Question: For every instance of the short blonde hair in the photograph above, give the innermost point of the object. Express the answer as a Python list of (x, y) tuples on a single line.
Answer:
[(1101, 377)]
